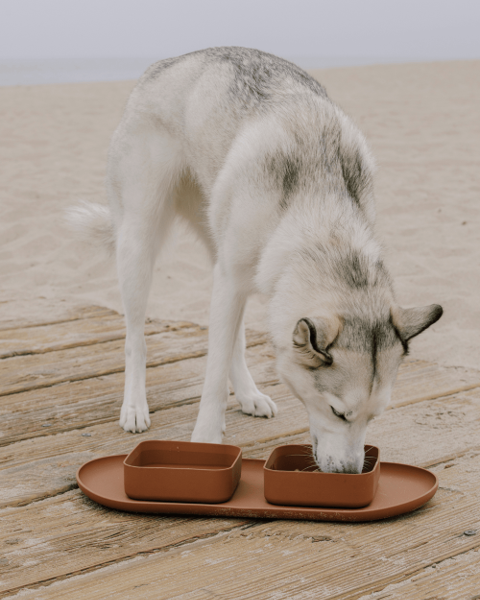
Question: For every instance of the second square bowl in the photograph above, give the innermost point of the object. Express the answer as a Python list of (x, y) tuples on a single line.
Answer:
[(291, 478)]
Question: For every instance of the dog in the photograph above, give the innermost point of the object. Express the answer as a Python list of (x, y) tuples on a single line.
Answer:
[(277, 181)]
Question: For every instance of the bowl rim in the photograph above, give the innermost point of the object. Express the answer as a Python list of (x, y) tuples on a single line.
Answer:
[(237, 458), (321, 473)]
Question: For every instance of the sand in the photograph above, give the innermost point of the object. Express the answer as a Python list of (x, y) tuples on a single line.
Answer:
[(423, 125)]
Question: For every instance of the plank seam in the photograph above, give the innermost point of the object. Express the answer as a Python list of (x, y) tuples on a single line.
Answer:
[(104, 373), (474, 449), (14, 353), (46, 323), (46, 496), (464, 388)]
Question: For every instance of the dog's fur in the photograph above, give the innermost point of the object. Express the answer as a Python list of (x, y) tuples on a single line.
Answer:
[(277, 181)]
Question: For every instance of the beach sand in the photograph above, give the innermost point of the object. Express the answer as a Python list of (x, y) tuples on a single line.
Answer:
[(422, 122)]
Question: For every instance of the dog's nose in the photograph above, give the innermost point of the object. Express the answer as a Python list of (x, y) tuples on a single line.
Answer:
[(355, 465), (330, 464), (352, 467), (348, 466)]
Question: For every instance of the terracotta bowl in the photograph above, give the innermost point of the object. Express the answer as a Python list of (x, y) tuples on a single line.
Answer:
[(182, 471), (291, 478)]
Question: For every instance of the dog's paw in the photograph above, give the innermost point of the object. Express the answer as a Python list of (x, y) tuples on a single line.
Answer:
[(258, 405), (135, 418)]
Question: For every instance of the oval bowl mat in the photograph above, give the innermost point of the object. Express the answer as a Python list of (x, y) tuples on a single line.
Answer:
[(401, 489)]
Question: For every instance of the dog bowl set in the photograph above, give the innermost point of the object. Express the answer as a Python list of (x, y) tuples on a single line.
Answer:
[(171, 477)]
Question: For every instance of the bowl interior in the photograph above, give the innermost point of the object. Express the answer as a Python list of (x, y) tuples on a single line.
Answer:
[(182, 456), (300, 458)]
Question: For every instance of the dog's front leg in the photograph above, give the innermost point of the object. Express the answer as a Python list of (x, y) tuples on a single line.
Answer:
[(226, 313), (250, 398)]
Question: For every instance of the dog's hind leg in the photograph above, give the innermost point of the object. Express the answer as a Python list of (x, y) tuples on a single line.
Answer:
[(252, 401), (142, 187), (135, 260)]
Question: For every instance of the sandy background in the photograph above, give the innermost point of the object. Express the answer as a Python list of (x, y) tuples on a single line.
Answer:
[(423, 125)]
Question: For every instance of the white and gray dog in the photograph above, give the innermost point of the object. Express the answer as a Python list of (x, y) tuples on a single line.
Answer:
[(277, 182)]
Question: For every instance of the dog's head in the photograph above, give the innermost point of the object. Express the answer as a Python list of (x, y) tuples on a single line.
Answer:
[(343, 370)]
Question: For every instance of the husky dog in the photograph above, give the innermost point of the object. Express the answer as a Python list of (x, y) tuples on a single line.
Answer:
[(277, 182)]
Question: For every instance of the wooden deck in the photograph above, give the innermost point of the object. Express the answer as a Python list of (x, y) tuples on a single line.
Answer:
[(60, 394)]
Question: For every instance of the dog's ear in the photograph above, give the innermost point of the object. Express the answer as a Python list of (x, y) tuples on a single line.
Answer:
[(312, 338), (412, 321)]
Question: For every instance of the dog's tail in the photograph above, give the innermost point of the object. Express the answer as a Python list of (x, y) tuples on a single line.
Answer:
[(93, 222)]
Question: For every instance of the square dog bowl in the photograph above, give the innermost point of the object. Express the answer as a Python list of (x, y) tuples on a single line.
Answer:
[(291, 478), (182, 471)]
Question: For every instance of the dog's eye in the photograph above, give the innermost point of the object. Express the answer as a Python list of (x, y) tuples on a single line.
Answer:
[(338, 414)]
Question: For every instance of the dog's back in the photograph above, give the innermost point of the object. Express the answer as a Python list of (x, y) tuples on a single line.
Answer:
[(257, 110)]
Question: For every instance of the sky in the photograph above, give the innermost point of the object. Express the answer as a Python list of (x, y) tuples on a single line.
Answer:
[(313, 32)]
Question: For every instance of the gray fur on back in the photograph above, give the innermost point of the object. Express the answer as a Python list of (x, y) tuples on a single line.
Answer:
[(257, 75), (241, 84)]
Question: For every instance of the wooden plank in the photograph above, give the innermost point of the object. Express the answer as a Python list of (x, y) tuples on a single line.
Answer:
[(37, 541), (281, 560), (36, 371), (419, 380), (70, 334), (423, 434), (457, 577), (429, 432)]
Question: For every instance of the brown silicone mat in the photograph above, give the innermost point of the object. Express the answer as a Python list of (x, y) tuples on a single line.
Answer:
[(401, 489)]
